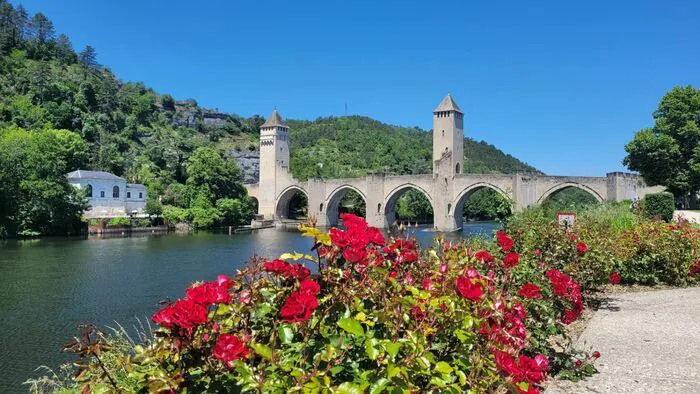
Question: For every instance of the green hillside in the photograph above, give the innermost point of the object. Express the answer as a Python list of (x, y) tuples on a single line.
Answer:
[(339, 147)]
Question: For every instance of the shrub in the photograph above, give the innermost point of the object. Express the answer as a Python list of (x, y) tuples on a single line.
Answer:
[(659, 205), (377, 316), (119, 222), (640, 250)]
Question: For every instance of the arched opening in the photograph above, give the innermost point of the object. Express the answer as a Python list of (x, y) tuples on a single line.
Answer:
[(457, 168), (410, 204), (481, 203), (88, 191), (569, 198), (345, 200), (115, 192), (292, 204)]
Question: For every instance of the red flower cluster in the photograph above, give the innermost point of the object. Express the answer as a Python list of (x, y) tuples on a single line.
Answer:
[(354, 241), (229, 348), (210, 293), (694, 269), (614, 278), (581, 248), (299, 306), (484, 256), (504, 241), (530, 290), (526, 369), (466, 286), (565, 287), (505, 325), (283, 268), (511, 260), (185, 314)]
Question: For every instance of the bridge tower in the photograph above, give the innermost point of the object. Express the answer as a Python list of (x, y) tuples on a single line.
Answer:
[(448, 138), (274, 159)]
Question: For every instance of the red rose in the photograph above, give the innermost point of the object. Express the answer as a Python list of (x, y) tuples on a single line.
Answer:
[(504, 241), (353, 222), (483, 256), (309, 287), (209, 293), (229, 348), (375, 236), (278, 267), (614, 278), (596, 354), (511, 260), (530, 290), (407, 256), (538, 253), (532, 370), (427, 284), (299, 272), (339, 238), (354, 255), (468, 289), (298, 307), (184, 313), (581, 248), (506, 363)]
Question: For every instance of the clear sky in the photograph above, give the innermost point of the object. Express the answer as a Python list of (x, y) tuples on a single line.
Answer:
[(562, 85)]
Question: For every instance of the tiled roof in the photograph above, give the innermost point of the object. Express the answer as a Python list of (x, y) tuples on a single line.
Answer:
[(274, 120), (85, 174), (447, 104)]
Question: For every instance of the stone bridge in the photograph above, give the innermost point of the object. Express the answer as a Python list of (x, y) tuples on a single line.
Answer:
[(446, 188)]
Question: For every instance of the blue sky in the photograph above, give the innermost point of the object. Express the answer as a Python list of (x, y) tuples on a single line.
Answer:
[(561, 85)]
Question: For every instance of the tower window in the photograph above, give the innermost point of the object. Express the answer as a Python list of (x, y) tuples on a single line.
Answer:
[(88, 190), (115, 192), (457, 169), (443, 133), (128, 194)]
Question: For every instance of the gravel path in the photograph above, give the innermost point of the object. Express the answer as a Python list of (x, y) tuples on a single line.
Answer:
[(649, 341)]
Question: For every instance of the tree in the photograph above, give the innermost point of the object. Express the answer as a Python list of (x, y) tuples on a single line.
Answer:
[(668, 154), (41, 34), (208, 169), (64, 49), (88, 58)]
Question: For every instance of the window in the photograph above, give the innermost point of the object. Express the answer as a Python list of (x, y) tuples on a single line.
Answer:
[(88, 191), (102, 194), (115, 192), (457, 168), (140, 195), (128, 194)]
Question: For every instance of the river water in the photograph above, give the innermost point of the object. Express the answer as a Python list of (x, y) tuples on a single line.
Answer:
[(49, 286)]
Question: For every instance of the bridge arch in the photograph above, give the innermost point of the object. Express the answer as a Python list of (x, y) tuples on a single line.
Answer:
[(393, 196), (456, 208), (564, 185), (285, 197), (330, 206)]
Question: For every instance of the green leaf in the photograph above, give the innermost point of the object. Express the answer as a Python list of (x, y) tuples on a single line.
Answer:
[(393, 370), (351, 325), (372, 351), (378, 386), (262, 350), (286, 334), (443, 367), (349, 388), (392, 348)]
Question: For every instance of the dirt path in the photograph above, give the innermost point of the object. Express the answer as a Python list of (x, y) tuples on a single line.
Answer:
[(649, 341)]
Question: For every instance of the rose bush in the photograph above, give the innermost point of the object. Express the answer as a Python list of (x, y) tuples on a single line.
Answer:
[(375, 316), (605, 240)]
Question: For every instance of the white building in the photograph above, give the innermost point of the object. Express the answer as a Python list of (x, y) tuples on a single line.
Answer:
[(109, 195)]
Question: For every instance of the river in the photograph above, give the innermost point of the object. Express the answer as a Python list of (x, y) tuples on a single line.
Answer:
[(48, 286)]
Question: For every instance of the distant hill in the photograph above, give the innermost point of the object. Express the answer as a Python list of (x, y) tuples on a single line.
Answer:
[(354, 146)]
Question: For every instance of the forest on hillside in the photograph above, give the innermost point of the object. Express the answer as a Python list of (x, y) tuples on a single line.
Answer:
[(60, 110)]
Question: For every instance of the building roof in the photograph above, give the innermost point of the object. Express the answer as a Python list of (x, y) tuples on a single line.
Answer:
[(274, 120), (447, 104), (85, 174)]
